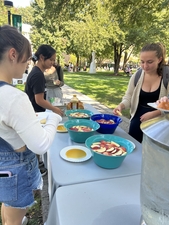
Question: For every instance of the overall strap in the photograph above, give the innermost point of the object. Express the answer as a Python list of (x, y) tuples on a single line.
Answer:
[(3, 144), (3, 83)]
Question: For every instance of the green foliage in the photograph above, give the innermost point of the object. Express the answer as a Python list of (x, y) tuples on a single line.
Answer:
[(45, 30), (110, 28), (27, 14)]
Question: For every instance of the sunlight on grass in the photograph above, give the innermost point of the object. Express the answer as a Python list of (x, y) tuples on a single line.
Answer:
[(102, 86)]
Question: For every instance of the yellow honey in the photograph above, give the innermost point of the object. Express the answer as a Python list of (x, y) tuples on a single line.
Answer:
[(75, 153), (61, 128)]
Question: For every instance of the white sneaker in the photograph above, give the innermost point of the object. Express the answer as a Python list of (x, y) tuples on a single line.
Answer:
[(25, 220)]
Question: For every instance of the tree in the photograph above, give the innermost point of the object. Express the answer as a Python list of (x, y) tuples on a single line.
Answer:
[(46, 31), (110, 27)]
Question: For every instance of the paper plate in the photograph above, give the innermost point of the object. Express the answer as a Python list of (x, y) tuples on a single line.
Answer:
[(154, 105), (42, 117), (61, 128), (69, 153)]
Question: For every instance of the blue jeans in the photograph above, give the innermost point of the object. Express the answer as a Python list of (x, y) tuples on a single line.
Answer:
[(17, 190)]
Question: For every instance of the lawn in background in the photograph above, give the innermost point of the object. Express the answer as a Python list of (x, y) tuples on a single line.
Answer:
[(104, 87)]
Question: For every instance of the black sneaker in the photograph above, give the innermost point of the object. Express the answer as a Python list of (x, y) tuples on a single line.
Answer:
[(43, 171), (41, 163)]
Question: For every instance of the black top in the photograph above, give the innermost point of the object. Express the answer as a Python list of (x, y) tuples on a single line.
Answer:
[(35, 84), (146, 97)]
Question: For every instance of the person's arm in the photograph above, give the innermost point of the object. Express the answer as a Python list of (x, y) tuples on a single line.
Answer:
[(22, 118), (126, 100), (60, 81), (61, 77), (150, 115), (39, 98)]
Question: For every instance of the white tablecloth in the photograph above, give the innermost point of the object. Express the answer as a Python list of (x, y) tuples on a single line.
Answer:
[(62, 173), (107, 202)]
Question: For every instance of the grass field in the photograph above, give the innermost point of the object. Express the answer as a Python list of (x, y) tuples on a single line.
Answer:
[(102, 86)]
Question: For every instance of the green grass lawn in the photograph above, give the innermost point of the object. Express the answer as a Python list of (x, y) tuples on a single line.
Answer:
[(102, 86)]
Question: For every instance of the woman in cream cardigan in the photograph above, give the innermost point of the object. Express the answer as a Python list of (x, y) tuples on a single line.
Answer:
[(149, 88)]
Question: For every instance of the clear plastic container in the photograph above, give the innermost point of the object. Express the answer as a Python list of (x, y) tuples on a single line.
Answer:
[(74, 102)]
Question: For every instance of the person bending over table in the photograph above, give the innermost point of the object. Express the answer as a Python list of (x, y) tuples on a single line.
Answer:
[(149, 88), (43, 58)]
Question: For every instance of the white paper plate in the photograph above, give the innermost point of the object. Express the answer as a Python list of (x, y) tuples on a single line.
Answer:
[(154, 105), (60, 130), (86, 150), (42, 116)]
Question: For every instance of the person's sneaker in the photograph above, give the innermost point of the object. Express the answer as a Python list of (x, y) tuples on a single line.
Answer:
[(41, 163), (25, 220), (43, 171)]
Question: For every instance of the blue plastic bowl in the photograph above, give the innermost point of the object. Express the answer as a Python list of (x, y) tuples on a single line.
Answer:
[(104, 161), (68, 112), (107, 128), (81, 137)]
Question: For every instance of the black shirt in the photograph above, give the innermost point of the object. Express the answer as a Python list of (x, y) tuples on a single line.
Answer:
[(35, 84)]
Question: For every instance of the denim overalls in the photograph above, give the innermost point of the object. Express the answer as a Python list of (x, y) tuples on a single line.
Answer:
[(17, 189)]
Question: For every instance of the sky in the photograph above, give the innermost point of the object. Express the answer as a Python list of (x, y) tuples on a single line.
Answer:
[(21, 3)]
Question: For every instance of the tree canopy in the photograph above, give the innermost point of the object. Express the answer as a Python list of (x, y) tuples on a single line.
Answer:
[(110, 28)]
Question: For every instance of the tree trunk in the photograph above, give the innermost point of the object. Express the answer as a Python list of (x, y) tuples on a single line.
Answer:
[(117, 56), (127, 55), (125, 60), (77, 63)]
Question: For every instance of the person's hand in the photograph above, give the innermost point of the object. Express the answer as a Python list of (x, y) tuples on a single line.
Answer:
[(150, 115), (56, 82), (58, 111), (163, 99), (117, 110)]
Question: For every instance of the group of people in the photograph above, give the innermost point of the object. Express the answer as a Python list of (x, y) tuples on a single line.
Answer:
[(21, 135)]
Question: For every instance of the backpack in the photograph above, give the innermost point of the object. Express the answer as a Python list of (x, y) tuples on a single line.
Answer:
[(165, 76)]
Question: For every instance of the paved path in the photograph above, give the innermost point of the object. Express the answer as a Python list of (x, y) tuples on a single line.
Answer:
[(67, 94)]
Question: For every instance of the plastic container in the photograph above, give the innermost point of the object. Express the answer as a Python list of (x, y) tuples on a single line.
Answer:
[(77, 136), (104, 161), (74, 102), (83, 111), (107, 128)]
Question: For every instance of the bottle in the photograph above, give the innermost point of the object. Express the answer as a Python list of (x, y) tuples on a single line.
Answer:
[(74, 102)]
